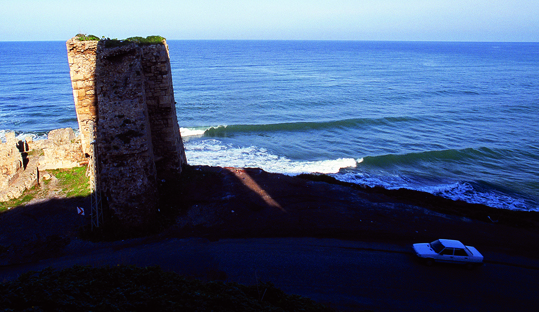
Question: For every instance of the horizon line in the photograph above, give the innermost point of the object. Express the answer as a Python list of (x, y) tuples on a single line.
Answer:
[(312, 40)]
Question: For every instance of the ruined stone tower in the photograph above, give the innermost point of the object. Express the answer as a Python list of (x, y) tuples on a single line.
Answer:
[(125, 106), (81, 56)]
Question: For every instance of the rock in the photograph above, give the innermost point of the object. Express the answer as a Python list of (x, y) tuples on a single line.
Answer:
[(20, 160), (62, 136), (10, 160), (62, 150)]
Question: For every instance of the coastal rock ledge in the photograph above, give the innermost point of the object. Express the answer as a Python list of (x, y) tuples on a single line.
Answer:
[(22, 160)]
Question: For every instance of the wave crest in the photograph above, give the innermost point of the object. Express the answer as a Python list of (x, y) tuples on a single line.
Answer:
[(215, 153), (226, 130)]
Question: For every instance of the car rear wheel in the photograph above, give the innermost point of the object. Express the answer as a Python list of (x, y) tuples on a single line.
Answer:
[(429, 262)]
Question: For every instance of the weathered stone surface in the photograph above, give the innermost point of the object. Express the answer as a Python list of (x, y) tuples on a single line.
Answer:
[(10, 161), (21, 161), (64, 135), (25, 179), (128, 98), (167, 143), (81, 56), (62, 150), (124, 143)]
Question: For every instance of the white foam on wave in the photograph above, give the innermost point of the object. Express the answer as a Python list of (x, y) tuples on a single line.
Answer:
[(466, 192), (24, 135), (387, 181), (215, 153), (192, 132), (455, 190)]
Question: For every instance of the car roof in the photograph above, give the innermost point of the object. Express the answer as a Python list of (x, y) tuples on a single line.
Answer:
[(451, 243)]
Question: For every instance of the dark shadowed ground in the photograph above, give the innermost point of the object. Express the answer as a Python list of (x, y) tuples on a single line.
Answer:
[(219, 204), (241, 203)]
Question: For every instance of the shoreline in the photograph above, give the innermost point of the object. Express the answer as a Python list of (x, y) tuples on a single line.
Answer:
[(321, 206), (528, 199), (225, 202), (274, 214)]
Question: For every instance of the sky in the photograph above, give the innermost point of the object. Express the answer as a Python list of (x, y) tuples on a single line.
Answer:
[(387, 20)]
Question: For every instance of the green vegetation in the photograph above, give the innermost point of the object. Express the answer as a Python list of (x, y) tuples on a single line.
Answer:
[(71, 183), (129, 288), (110, 43), (27, 196), (84, 37), (147, 40)]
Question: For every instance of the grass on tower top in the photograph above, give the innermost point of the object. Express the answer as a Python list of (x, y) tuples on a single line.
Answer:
[(110, 43)]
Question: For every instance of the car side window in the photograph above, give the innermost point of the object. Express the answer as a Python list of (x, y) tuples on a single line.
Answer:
[(460, 252), (447, 251)]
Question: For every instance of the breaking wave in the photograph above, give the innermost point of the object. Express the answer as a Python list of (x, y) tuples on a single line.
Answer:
[(215, 153)]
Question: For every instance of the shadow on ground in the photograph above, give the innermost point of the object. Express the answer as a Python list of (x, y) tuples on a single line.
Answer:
[(215, 203)]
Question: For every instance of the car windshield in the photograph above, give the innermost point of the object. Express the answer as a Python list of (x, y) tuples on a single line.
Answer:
[(436, 246)]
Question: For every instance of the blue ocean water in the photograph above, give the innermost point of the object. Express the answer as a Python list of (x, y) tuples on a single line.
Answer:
[(454, 119)]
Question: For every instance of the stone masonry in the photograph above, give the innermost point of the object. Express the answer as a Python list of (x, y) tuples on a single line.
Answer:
[(137, 137), (159, 94), (11, 162), (21, 161), (128, 175), (81, 56)]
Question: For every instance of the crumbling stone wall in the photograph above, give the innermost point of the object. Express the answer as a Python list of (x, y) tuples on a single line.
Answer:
[(127, 175), (167, 144), (81, 56), (11, 161), (137, 136), (22, 160), (61, 149)]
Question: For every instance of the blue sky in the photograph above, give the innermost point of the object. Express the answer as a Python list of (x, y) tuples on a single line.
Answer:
[(424, 20)]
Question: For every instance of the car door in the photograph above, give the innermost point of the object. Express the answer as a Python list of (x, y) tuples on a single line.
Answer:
[(446, 255), (461, 256)]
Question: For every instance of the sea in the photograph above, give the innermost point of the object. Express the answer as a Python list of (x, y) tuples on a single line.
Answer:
[(455, 119)]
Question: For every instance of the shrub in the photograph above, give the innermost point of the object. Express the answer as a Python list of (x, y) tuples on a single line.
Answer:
[(130, 288), (84, 37), (109, 43)]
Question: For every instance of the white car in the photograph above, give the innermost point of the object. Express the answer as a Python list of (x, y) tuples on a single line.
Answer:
[(448, 250)]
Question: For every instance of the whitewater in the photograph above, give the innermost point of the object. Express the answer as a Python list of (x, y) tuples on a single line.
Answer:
[(457, 120)]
